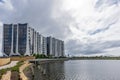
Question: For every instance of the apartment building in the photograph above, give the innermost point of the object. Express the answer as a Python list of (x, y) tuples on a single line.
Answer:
[(21, 39)]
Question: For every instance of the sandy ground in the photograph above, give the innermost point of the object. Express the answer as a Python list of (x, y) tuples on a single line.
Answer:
[(13, 63), (22, 75), (6, 76)]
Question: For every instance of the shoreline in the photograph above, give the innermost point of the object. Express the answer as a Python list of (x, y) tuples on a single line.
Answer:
[(26, 69), (22, 70), (28, 72)]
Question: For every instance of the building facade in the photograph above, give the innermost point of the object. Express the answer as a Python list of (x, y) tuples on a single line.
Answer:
[(16, 39), (7, 37), (55, 47), (21, 39)]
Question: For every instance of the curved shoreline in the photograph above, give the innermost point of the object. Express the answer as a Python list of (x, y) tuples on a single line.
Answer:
[(21, 70), (28, 64)]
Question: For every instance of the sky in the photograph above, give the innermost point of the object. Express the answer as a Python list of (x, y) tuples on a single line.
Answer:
[(88, 27)]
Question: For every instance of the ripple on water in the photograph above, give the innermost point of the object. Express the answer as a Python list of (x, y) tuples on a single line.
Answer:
[(81, 70)]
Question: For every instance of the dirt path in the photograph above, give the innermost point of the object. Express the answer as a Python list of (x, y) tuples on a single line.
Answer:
[(12, 64), (6, 76), (22, 75)]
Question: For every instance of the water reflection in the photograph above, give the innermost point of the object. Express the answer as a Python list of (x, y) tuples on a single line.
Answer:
[(79, 70), (50, 71)]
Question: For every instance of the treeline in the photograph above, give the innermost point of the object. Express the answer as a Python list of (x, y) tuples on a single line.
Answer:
[(40, 56), (37, 56), (97, 57)]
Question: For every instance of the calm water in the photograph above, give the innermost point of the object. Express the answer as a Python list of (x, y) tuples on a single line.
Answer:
[(79, 70)]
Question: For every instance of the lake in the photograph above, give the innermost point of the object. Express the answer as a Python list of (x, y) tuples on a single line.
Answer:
[(79, 70)]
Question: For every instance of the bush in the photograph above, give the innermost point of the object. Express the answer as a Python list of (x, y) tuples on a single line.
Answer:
[(40, 56)]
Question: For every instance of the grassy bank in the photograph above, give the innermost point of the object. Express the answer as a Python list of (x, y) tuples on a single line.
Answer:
[(28, 71), (12, 69)]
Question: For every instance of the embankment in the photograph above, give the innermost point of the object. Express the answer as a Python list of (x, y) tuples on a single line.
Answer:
[(21, 58), (25, 71), (14, 69), (4, 61)]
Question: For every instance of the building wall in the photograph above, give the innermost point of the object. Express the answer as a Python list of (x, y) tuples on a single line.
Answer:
[(30, 40), (22, 40), (35, 43), (63, 53), (44, 45), (55, 47), (49, 46), (14, 38), (7, 38), (40, 44)]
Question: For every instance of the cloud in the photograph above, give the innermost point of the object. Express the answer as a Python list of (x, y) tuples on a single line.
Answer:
[(1, 38), (94, 28), (6, 5), (1, 1), (88, 27), (100, 3), (97, 47), (103, 29)]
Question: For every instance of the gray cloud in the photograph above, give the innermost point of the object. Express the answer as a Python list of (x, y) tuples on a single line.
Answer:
[(103, 29), (99, 3), (1, 1), (92, 48), (40, 14)]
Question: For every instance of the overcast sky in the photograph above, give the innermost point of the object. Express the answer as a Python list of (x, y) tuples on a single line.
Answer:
[(88, 27)]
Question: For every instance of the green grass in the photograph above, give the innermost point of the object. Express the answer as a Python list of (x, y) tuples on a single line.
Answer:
[(26, 69), (15, 68)]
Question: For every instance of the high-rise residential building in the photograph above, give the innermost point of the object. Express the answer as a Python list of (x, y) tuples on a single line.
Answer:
[(21, 39), (55, 47), (7, 37), (62, 49), (44, 45), (24, 39), (17, 39), (49, 46)]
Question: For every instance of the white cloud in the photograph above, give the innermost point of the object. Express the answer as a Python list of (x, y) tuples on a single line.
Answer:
[(103, 22)]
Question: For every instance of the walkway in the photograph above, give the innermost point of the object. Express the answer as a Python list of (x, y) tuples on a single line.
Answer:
[(12, 64), (6, 76)]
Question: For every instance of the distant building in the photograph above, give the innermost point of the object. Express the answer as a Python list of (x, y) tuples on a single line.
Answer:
[(55, 47), (20, 39), (49, 46), (44, 45)]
